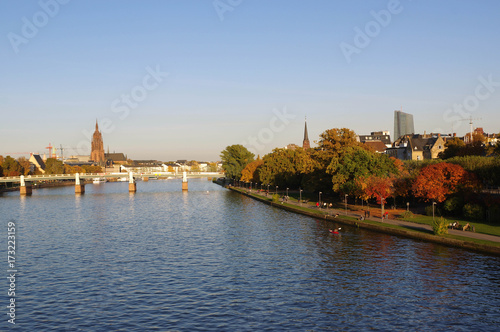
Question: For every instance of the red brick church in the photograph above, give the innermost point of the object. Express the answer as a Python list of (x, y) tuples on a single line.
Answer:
[(97, 151)]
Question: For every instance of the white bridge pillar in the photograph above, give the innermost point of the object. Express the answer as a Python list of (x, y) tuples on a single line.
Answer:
[(24, 190), (132, 186), (79, 188), (184, 181)]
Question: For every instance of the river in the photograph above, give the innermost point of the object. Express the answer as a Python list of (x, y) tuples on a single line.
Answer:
[(214, 260)]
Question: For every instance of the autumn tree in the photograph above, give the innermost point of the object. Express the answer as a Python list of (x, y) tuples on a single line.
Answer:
[(212, 167), (11, 167), (435, 182), (286, 167), (337, 139), (25, 165), (379, 187), (251, 171), (234, 159)]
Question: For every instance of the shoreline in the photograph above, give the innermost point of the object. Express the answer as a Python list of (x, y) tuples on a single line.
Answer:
[(377, 226)]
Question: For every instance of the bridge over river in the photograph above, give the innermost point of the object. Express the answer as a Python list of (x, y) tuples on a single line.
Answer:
[(26, 189)]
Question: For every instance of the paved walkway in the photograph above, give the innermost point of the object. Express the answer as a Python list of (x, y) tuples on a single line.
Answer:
[(402, 223)]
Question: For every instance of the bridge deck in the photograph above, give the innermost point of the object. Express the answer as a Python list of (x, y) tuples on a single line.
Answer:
[(52, 177)]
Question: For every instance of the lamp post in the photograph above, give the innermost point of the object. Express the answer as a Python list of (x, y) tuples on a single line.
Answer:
[(287, 193), (407, 206), (319, 198), (300, 196), (346, 204), (268, 188), (276, 190), (433, 204)]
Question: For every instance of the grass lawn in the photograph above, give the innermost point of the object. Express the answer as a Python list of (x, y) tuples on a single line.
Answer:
[(480, 227)]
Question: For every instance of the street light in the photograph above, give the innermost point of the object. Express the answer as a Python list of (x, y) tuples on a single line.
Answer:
[(268, 189), (407, 206), (346, 204), (286, 192), (276, 190), (319, 198), (300, 196), (433, 204)]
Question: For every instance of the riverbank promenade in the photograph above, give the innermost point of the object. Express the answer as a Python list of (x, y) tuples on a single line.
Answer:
[(354, 216)]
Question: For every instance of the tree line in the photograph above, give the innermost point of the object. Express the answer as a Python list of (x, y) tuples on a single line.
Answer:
[(340, 165), (21, 166)]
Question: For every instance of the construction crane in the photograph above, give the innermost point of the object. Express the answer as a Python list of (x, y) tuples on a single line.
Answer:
[(470, 122), (52, 153), (62, 151)]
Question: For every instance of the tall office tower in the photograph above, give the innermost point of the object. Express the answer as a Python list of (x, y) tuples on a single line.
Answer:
[(403, 124)]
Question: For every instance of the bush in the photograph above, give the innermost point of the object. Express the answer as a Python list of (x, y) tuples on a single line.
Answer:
[(440, 226), (276, 198), (407, 215), (473, 211), (453, 205)]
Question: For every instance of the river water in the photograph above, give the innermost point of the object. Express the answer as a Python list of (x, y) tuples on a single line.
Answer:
[(214, 260)]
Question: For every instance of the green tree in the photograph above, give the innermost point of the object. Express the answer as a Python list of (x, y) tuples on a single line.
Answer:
[(453, 148), (54, 166), (11, 167), (354, 163), (234, 160)]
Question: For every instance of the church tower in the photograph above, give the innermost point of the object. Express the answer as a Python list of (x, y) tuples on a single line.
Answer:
[(97, 151), (305, 143)]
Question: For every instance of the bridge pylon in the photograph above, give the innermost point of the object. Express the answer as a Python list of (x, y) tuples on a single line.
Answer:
[(132, 186)]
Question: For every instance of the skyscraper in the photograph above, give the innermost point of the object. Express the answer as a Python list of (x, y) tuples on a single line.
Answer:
[(403, 124), (97, 151), (305, 143)]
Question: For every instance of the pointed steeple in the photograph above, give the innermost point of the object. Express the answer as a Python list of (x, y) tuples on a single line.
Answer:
[(96, 125), (306, 144)]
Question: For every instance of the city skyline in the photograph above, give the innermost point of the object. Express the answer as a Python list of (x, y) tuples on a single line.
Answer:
[(183, 80)]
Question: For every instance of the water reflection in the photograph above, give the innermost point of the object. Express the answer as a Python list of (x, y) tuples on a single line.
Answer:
[(177, 260)]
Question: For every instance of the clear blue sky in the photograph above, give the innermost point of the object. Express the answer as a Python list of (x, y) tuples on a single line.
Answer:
[(229, 68)]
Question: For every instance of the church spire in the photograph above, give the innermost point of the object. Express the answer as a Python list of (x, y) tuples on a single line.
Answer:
[(96, 125), (306, 144)]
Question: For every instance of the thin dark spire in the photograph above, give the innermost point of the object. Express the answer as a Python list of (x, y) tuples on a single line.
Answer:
[(305, 143)]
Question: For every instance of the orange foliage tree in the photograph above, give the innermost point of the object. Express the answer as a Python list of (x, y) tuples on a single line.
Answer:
[(435, 182), (379, 187), (250, 172)]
